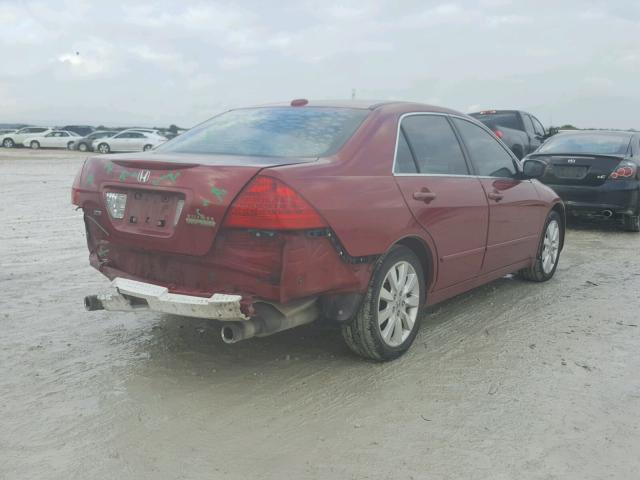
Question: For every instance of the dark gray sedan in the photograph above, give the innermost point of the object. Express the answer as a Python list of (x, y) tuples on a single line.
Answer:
[(84, 144)]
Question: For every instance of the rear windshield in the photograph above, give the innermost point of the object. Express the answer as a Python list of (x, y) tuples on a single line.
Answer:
[(596, 144), (504, 119), (271, 132)]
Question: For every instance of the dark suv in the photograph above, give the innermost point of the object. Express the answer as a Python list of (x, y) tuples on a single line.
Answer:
[(521, 131)]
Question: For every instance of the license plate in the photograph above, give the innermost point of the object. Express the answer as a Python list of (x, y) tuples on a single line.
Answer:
[(151, 211), (562, 171)]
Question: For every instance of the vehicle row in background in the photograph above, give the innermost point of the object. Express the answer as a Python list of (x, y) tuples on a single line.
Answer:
[(130, 140), (84, 138)]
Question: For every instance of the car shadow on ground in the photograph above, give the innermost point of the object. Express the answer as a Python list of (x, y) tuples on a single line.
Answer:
[(595, 224), (195, 345)]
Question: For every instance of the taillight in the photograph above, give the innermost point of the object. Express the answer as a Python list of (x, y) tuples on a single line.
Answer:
[(498, 133), (116, 203), (75, 188), (624, 170), (268, 204)]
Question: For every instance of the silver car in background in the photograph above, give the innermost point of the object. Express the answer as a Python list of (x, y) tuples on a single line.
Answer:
[(85, 144), (132, 140)]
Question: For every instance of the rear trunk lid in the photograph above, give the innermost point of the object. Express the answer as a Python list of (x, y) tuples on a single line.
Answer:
[(585, 170), (174, 203)]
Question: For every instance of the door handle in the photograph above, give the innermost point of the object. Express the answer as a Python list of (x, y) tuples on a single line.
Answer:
[(424, 196), (495, 196)]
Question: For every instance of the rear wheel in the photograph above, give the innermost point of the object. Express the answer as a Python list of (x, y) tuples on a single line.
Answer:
[(70, 146), (632, 223), (548, 255), (147, 148), (8, 143), (34, 145), (104, 148), (83, 147), (388, 320)]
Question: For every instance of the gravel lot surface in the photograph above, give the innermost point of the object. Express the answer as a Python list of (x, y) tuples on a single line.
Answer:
[(511, 381)]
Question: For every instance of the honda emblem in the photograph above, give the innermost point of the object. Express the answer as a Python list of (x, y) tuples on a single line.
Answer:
[(571, 160), (143, 176)]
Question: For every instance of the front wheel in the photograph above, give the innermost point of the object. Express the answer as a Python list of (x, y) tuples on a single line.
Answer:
[(104, 148), (147, 148), (70, 146), (388, 320), (83, 147), (34, 145), (546, 262), (8, 143)]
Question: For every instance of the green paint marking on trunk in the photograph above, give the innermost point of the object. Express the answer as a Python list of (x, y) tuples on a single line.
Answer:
[(90, 179), (220, 193), (124, 174), (102, 251), (205, 202), (108, 167), (171, 176)]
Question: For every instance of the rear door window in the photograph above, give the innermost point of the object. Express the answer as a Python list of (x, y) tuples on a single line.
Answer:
[(489, 158), (528, 124), (537, 126), (434, 145), (404, 158)]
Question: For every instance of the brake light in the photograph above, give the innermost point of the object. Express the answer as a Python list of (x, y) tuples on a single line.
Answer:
[(624, 170), (75, 188), (267, 203), (498, 133)]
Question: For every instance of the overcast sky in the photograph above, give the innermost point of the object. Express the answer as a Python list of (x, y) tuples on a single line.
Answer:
[(155, 63)]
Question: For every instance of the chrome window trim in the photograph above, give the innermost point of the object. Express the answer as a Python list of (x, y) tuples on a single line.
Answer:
[(449, 115)]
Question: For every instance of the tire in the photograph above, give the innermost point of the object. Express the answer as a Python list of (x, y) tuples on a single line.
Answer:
[(632, 223), (35, 145), (83, 147), (103, 148), (147, 148), (8, 143), (390, 338), (70, 146), (544, 266)]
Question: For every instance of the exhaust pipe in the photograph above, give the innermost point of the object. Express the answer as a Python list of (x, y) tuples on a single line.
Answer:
[(92, 303), (270, 319), (607, 213)]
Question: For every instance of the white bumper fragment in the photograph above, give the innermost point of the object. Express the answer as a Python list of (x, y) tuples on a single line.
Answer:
[(131, 295)]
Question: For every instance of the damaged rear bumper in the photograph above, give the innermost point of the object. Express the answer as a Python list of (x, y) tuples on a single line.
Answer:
[(130, 295)]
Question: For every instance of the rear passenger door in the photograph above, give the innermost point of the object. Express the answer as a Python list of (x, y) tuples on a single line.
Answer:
[(515, 211), (446, 200)]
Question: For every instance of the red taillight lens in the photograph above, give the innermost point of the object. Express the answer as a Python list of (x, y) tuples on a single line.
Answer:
[(498, 133), (75, 188), (269, 204), (624, 170)]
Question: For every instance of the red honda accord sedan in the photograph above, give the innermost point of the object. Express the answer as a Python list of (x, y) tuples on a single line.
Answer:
[(361, 214)]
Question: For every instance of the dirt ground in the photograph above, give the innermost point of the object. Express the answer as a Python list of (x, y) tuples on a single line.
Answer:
[(511, 381)]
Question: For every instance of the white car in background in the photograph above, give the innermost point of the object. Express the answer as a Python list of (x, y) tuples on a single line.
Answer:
[(17, 138), (51, 139), (132, 140)]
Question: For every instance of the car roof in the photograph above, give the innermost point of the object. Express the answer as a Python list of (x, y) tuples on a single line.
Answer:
[(599, 132), (384, 105)]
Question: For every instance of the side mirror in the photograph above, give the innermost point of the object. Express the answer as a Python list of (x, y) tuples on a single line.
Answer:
[(533, 168)]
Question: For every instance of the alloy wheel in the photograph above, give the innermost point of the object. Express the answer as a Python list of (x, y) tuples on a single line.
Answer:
[(550, 246), (398, 303)]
